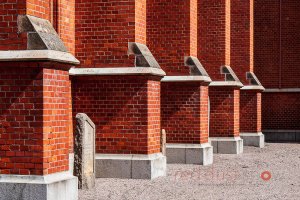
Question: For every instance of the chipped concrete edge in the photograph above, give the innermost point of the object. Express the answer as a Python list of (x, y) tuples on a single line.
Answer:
[(226, 84), (116, 71), (38, 55), (186, 79)]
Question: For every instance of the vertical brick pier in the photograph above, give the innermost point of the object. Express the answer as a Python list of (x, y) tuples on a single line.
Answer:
[(172, 37), (214, 34), (34, 116), (118, 86)]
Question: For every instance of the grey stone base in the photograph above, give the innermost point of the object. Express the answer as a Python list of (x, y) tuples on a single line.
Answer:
[(59, 186), (253, 139), (227, 145), (130, 166), (282, 135), (201, 154)]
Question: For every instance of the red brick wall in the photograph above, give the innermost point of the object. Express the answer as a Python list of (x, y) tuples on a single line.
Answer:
[(280, 111), (104, 28), (277, 50), (250, 112), (267, 42), (214, 35), (224, 112), (33, 120), (39, 8), (242, 38), (66, 23), (140, 21), (172, 33), (185, 112), (125, 110), (9, 39), (268, 36)]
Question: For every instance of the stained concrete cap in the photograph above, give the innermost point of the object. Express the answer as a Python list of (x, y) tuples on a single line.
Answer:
[(201, 154), (116, 71), (253, 87), (226, 83), (38, 55), (59, 186), (227, 145), (130, 166), (186, 79), (253, 139)]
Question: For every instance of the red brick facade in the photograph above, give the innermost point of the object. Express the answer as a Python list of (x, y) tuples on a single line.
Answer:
[(37, 106), (277, 49), (34, 131), (224, 112), (214, 35), (125, 110), (104, 28), (250, 111), (172, 33), (185, 112)]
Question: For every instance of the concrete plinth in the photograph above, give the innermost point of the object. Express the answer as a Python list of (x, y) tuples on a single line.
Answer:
[(130, 166), (59, 186), (201, 154), (253, 139), (227, 145)]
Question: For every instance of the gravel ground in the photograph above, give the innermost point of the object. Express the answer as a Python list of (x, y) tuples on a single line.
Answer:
[(230, 177)]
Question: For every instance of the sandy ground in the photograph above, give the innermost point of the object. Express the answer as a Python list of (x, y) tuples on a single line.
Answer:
[(230, 177)]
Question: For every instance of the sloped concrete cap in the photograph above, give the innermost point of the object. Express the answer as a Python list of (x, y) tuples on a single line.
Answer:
[(41, 34), (231, 80), (254, 83), (143, 56), (229, 74), (196, 68)]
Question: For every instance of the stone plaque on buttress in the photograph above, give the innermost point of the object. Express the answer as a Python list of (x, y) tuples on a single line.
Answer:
[(84, 149)]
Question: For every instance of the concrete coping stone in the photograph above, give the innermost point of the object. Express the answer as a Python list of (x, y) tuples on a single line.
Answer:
[(251, 134), (226, 83), (225, 138), (282, 90), (36, 179), (38, 55), (253, 87), (116, 71), (128, 156), (188, 146), (186, 79)]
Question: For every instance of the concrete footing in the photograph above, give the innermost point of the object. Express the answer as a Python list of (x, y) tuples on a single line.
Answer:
[(282, 135), (130, 166), (201, 154), (253, 139), (227, 145), (59, 186)]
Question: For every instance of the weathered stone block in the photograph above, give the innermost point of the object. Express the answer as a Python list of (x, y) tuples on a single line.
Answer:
[(84, 148)]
